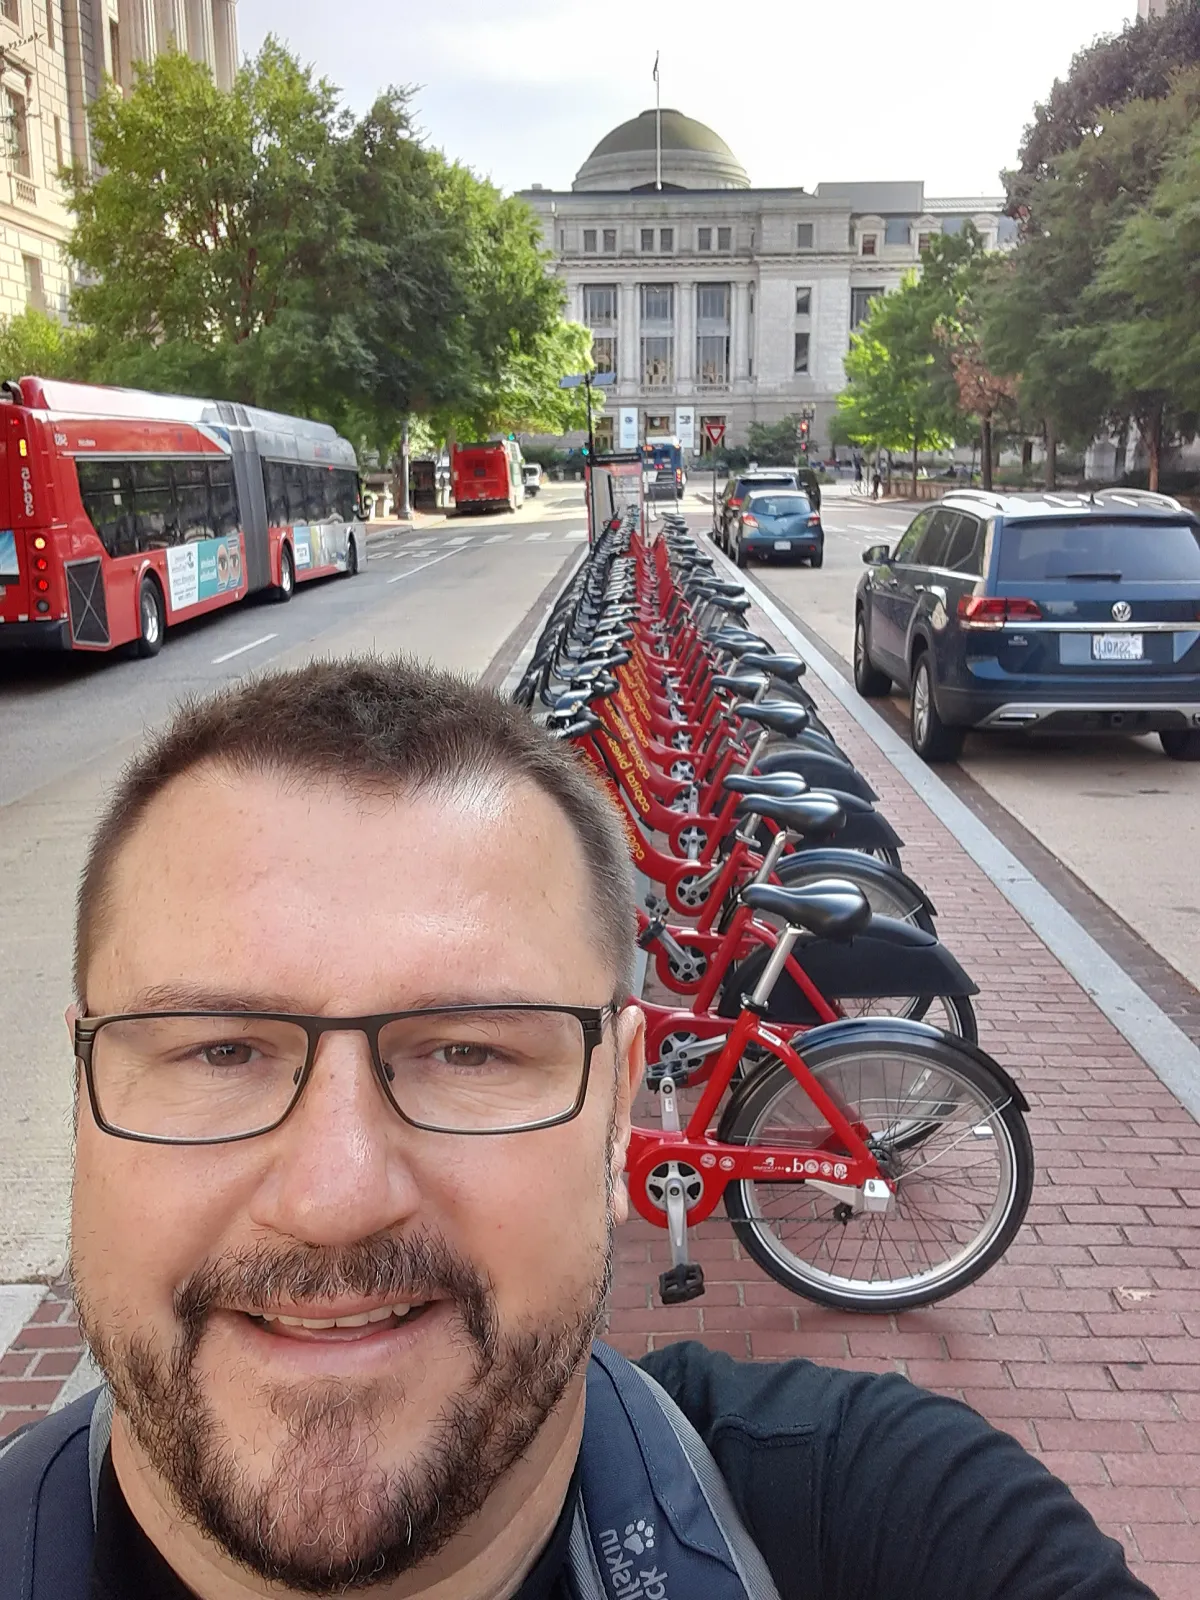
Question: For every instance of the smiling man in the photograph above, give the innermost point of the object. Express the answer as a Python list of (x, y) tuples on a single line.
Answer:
[(355, 1062)]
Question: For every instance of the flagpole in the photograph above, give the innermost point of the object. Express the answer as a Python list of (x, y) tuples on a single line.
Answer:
[(657, 126)]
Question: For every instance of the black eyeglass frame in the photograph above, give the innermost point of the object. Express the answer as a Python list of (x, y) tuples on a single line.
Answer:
[(592, 1020)]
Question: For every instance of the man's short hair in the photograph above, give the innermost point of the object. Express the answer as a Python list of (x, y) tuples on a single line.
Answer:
[(380, 725)]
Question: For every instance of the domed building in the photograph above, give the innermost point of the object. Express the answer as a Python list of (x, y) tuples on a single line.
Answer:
[(693, 157), (711, 300)]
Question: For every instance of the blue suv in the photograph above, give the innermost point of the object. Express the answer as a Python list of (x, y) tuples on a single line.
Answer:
[(1064, 612)]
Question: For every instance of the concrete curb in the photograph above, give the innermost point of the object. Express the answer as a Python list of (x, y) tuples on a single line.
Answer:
[(1163, 1046)]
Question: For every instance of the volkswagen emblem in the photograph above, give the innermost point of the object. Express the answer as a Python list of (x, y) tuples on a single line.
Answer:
[(1122, 611)]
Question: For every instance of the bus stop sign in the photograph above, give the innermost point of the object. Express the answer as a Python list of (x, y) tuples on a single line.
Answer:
[(715, 430)]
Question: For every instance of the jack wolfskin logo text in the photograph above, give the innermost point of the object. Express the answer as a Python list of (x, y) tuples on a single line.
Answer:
[(623, 1554)]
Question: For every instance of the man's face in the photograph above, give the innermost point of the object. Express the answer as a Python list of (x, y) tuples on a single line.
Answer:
[(335, 1457)]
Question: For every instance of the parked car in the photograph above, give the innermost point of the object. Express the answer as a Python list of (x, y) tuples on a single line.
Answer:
[(742, 484), (1064, 613), (778, 523), (532, 475)]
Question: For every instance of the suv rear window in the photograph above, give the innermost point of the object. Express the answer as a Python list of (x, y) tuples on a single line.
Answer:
[(778, 505), (745, 486), (1124, 551)]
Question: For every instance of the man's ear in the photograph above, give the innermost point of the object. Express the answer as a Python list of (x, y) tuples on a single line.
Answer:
[(71, 1016), (631, 1065)]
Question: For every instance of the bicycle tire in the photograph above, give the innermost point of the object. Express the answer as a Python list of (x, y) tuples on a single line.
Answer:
[(963, 1082)]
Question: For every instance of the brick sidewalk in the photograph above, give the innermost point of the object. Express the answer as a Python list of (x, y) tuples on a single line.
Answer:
[(1084, 1342)]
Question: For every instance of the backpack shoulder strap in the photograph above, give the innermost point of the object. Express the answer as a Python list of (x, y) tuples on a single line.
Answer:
[(655, 1517), (47, 1507)]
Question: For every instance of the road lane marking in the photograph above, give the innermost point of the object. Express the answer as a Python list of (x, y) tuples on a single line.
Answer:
[(544, 534), (579, 533), (242, 648), (464, 538), (408, 571), (498, 538)]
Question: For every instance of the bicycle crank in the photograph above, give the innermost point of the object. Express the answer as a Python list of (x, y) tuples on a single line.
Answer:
[(674, 1186)]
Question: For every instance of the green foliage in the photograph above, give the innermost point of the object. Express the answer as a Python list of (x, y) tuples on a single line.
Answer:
[(773, 444), (37, 344), (265, 246)]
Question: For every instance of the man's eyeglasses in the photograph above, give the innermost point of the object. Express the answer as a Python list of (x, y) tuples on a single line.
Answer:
[(210, 1077)]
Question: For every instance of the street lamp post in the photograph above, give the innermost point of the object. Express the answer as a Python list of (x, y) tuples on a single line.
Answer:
[(586, 381)]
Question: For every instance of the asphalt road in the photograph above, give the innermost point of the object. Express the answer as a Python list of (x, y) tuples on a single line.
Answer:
[(451, 593), (1115, 811)]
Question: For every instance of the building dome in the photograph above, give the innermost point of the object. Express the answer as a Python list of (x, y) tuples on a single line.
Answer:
[(693, 157)]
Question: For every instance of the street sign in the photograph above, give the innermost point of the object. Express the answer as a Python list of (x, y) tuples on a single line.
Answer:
[(715, 429), (685, 427)]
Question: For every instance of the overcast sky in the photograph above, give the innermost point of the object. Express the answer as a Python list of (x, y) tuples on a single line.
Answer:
[(521, 90)]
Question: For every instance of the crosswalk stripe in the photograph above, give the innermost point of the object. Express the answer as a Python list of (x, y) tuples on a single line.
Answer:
[(464, 538), (579, 533), (543, 534), (498, 538)]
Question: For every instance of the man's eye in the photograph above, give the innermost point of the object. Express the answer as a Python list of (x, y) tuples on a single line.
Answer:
[(233, 1053), (465, 1055)]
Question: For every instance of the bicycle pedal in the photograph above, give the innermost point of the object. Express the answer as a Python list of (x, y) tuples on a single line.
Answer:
[(681, 1283)]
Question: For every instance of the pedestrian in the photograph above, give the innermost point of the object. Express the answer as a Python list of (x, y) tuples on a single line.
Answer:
[(345, 1333), (858, 470), (876, 483)]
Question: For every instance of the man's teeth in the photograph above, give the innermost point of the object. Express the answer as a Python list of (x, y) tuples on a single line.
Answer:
[(359, 1320)]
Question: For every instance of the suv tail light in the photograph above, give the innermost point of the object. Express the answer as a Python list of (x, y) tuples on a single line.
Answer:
[(814, 522), (735, 500), (749, 521), (993, 611)]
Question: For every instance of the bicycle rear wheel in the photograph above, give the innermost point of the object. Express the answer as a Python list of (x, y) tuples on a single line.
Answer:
[(943, 1125)]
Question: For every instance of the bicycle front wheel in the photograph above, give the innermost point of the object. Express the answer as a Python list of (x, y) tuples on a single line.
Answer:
[(943, 1126)]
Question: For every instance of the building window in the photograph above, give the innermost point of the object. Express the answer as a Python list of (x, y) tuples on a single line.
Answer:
[(658, 361), (50, 31), (648, 240), (924, 240), (10, 10), (589, 241), (712, 303), (712, 360), (18, 134), (704, 239), (800, 353), (35, 289), (724, 238), (610, 241), (803, 302), (804, 236), (658, 302), (860, 305), (666, 240), (870, 242), (602, 432), (600, 305), (114, 51), (897, 230), (59, 163), (604, 352), (562, 241)]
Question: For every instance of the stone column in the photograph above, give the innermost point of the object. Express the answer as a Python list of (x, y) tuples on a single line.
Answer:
[(200, 43), (138, 38), (737, 332), (628, 337), (225, 39), (685, 337)]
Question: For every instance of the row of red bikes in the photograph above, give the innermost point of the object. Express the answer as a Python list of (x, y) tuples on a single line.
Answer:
[(814, 1053)]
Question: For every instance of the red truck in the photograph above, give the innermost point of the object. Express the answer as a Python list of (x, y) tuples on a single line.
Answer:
[(487, 477)]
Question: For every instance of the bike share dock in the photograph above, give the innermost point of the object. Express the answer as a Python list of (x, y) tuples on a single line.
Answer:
[(1084, 1341)]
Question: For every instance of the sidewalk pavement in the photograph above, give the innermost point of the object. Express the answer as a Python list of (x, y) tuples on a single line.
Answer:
[(1084, 1342)]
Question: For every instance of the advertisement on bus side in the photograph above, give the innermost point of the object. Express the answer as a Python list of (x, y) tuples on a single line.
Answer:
[(9, 567), (202, 569)]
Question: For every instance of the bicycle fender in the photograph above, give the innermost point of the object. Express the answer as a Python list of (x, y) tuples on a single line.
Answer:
[(829, 859)]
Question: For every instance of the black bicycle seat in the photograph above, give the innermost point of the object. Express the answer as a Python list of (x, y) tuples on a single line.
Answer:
[(738, 641), (742, 683), (782, 785), (831, 908), (779, 716), (727, 602), (813, 815), (573, 727), (788, 668)]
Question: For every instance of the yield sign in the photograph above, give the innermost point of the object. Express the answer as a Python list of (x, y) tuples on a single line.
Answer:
[(715, 429)]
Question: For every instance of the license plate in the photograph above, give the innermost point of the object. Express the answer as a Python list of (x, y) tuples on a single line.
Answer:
[(1116, 647), (783, 544)]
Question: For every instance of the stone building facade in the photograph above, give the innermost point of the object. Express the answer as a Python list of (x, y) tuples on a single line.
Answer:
[(710, 299), (54, 58)]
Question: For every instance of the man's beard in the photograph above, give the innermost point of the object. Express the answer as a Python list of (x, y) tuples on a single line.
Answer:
[(326, 1519)]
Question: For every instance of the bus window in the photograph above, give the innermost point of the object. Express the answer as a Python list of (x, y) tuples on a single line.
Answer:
[(297, 492), (192, 507), (106, 491), (224, 497), (345, 493), (275, 489), (319, 489), (154, 516)]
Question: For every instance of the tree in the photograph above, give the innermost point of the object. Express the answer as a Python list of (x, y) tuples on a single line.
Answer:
[(773, 444), (901, 393), (36, 342)]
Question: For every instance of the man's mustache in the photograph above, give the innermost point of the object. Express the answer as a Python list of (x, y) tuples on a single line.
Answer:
[(384, 1267)]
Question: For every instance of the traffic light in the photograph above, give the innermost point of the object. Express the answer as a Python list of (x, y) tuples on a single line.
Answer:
[(803, 432)]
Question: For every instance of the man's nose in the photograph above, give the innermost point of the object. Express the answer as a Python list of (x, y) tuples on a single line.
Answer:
[(342, 1170)]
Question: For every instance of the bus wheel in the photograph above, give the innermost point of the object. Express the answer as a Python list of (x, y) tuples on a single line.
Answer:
[(352, 557), (286, 587), (151, 620)]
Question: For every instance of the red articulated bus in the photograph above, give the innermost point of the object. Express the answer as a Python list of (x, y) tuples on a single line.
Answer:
[(487, 477), (122, 512)]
